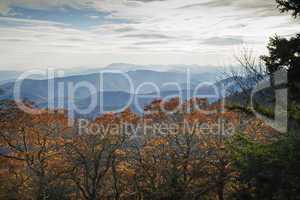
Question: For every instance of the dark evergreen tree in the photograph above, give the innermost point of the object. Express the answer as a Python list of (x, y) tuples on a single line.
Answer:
[(289, 6), (284, 53)]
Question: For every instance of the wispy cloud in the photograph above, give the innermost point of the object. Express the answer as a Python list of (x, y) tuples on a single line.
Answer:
[(147, 1), (223, 41), (148, 36), (124, 29), (245, 4), (72, 33)]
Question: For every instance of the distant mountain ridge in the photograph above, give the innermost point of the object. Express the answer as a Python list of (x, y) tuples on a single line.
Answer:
[(6, 75), (115, 88)]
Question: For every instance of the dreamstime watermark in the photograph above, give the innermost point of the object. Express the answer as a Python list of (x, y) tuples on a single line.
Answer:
[(62, 93)]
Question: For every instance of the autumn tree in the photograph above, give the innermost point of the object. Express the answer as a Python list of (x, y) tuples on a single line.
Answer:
[(90, 157), (32, 143)]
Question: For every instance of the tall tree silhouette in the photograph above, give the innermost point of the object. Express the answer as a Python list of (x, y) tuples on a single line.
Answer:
[(284, 53)]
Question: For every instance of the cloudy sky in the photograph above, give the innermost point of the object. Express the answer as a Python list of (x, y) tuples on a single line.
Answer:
[(94, 33)]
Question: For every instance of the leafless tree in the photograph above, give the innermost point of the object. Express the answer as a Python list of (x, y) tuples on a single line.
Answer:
[(250, 72)]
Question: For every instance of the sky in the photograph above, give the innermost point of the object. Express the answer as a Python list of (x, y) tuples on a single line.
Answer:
[(95, 33)]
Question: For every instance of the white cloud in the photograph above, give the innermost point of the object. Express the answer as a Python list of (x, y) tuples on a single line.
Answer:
[(93, 17), (157, 32)]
